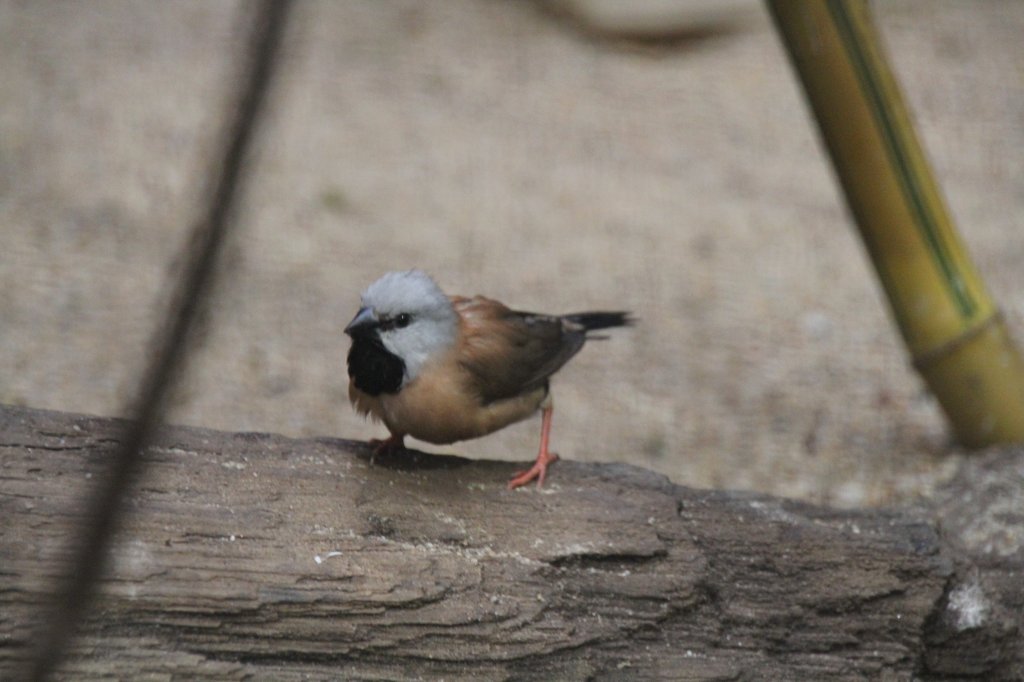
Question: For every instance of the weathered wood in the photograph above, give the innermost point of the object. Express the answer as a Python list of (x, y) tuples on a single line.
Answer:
[(258, 555)]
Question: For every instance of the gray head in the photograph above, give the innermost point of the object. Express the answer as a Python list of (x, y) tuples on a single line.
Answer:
[(410, 315)]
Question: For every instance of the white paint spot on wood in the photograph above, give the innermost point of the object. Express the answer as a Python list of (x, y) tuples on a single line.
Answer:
[(969, 606), (320, 559)]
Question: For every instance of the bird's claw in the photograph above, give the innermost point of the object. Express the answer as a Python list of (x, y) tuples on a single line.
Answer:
[(386, 447), (538, 471)]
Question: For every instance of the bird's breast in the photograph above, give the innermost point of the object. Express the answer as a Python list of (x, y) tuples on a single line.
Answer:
[(442, 406), (373, 369)]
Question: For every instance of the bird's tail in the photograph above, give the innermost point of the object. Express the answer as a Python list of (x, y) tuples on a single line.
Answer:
[(593, 320)]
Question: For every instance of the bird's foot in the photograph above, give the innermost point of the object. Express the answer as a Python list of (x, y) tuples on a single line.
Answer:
[(538, 471), (386, 447)]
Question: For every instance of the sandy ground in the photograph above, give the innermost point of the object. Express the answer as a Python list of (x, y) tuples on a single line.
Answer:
[(508, 154)]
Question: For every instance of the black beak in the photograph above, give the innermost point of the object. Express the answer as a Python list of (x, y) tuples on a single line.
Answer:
[(363, 323)]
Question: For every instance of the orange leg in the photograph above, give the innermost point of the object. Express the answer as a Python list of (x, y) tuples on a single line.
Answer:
[(386, 447), (544, 458)]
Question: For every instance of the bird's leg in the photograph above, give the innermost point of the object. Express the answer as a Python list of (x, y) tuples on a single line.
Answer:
[(386, 447), (544, 458)]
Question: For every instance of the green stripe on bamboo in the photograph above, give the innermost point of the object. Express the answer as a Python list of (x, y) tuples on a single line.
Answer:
[(952, 328)]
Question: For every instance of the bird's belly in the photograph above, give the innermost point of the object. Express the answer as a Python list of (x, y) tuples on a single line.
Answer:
[(442, 412)]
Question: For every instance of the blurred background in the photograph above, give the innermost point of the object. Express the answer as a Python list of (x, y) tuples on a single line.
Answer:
[(525, 152)]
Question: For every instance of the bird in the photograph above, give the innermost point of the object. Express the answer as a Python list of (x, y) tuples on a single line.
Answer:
[(442, 368)]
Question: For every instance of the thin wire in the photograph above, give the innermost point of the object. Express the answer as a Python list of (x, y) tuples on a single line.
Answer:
[(105, 509)]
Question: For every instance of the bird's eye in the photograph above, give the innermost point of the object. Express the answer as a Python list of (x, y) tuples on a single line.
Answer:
[(403, 320)]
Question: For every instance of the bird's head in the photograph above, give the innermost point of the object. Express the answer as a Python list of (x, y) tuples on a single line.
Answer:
[(408, 314)]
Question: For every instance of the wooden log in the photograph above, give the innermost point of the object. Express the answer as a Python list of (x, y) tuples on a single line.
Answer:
[(253, 555)]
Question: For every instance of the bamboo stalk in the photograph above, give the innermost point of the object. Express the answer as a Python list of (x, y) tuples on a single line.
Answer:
[(952, 327)]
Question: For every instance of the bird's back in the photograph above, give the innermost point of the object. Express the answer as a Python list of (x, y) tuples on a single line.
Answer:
[(509, 351)]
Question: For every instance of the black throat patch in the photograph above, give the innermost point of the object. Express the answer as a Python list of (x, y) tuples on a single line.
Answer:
[(374, 369)]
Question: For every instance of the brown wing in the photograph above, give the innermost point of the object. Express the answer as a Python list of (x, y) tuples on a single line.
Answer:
[(508, 352)]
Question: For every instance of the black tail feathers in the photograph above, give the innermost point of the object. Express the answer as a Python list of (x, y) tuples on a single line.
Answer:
[(591, 321)]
